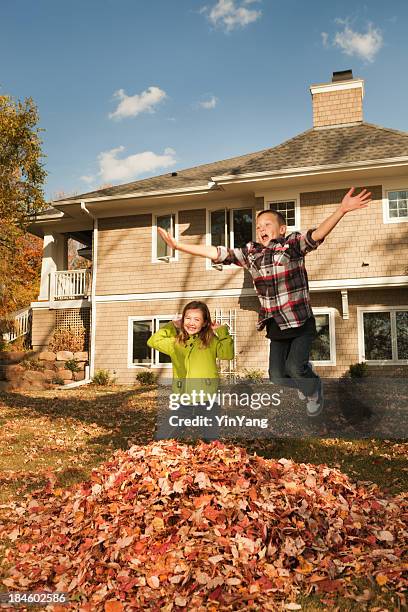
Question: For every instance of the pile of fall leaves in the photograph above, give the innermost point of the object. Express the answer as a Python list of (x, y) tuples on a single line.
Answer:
[(171, 527)]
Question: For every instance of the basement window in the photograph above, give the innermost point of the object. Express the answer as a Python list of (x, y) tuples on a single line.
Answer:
[(384, 335), (323, 349), (140, 330)]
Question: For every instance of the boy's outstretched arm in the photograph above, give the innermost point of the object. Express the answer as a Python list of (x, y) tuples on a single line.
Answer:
[(202, 250), (348, 203)]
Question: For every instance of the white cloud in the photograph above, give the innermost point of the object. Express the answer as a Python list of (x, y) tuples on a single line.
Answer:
[(231, 14), (211, 103), (87, 178), (365, 46), (113, 168), (325, 38), (130, 106)]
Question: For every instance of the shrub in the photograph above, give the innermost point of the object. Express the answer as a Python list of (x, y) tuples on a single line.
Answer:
[(146, 377), (32, 364), (358, 370), (67, 340), (57, 380), (103, 378), (72, 364), (5, 345), (255, 376), (19, 344)]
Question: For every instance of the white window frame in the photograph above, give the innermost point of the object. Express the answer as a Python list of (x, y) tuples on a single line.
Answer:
[(289, 228), (175, 257), (386, 207), (360, 329), (332, 333), (208, 263), (154, 364)]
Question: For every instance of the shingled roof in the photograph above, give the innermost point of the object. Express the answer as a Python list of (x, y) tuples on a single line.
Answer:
[(314, 147)]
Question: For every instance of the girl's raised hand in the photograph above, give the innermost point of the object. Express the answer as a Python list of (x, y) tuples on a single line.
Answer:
[(167, 237), (215, 325), (177, 323)]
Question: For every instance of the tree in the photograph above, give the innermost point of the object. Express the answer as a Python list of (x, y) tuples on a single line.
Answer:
[(21, 171), (20, 273), (21, 195)]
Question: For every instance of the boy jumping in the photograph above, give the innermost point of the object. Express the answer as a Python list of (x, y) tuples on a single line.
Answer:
[(276, 264)]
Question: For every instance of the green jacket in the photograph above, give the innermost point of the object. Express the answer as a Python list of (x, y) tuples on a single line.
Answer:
[(193, 367)]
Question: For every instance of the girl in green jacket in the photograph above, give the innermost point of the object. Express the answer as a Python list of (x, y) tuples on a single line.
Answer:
[(194, 344)]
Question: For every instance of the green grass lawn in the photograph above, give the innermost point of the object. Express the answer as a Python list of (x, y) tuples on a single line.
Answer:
[(69, 432)]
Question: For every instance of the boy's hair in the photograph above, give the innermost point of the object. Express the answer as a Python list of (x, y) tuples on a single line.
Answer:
[(279, 215), (206, 333)]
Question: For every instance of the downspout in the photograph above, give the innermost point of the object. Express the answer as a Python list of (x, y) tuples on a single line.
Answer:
[(91, 368)]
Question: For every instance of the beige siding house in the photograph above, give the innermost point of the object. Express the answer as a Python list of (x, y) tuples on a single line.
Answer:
[(358, 278)]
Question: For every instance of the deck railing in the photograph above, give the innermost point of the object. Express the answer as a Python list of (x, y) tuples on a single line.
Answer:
[(70, 284), (21, 320)]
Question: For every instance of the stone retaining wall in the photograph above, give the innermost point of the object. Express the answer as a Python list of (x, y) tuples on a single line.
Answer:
[(18, 369)]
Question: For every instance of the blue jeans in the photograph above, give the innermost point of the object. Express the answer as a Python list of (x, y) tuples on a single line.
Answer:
[(289, 363)]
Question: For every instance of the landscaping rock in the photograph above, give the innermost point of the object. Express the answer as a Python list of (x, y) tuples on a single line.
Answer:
[(48, 365), (5, 385), (65, 374), (49, 375), (13, 356), (81, 356), (64, 355), (34, 376), (13, 372), (47, 356), (79, 375), (59, 364)]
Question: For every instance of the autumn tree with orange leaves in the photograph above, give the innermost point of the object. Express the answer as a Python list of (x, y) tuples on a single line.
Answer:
[(22, 177)]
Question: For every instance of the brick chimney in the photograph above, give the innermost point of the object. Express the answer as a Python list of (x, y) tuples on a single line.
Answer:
[(339, 102)]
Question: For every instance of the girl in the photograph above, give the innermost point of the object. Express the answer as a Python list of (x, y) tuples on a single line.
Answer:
[(194, 344)]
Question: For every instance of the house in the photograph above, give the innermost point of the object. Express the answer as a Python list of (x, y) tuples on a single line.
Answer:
[(358, 278)]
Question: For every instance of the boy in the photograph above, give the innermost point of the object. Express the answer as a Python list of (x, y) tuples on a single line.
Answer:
[(276, 264)]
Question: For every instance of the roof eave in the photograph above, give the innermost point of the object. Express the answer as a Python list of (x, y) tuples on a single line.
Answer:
[(198, 189), (310, 170), (217, 182)]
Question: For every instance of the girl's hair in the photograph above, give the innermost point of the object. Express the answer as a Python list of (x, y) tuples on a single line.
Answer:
[(206, 333)]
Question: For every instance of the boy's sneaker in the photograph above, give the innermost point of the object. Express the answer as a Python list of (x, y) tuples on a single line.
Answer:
[(314, 406), (301, 395)]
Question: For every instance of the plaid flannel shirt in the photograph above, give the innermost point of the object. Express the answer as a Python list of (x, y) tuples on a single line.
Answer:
[(279, 275)]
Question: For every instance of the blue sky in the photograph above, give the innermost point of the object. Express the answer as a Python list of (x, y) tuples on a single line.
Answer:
[(134, 88)]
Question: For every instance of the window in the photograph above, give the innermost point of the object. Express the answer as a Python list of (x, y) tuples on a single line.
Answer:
[(241, 227), (232, 228), (288, 209), (396, 206), (140, 330), (384, 335), (401, 321), (160, 250), (323, 349), (141, 353)]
